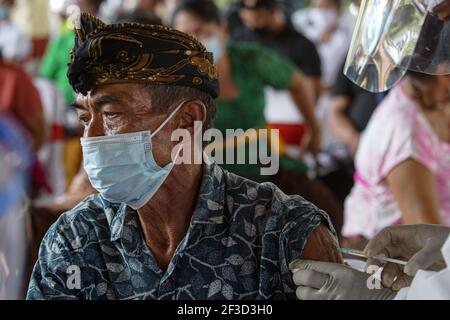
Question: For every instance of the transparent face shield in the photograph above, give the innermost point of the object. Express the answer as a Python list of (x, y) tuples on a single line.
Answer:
[(394, 36)]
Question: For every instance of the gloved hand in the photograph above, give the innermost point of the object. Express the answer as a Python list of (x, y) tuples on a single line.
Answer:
[(331, 281), (420, 245)]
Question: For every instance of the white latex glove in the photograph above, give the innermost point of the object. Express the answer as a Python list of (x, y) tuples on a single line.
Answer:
[(420, 245), (331, 281)]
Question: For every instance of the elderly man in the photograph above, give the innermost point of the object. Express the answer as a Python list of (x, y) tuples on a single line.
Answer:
[(156, 230)]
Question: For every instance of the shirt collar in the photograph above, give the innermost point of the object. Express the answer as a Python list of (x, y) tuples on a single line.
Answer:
[(211, 199), (209, 208), (117, 219)]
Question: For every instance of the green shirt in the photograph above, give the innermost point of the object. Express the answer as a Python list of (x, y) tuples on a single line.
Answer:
[(253, 69), (55, 61)]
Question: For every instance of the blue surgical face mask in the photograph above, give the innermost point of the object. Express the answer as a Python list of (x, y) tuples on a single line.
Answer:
[(122, 167), (215, 46)]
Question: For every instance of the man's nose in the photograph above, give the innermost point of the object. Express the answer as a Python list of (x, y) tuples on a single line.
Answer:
[(94, 129)]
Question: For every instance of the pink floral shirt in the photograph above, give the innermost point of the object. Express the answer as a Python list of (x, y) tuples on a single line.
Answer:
[(398, 131)]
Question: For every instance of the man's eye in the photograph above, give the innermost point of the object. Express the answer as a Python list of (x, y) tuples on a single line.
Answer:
[(84, 119), (111, 115)]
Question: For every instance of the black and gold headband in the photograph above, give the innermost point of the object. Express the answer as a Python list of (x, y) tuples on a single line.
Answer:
[(131, 52)]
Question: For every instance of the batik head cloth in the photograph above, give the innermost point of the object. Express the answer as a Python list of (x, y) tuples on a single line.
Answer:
[(131, 52)]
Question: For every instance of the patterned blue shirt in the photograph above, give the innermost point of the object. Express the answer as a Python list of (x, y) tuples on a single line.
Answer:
[(241, 238)]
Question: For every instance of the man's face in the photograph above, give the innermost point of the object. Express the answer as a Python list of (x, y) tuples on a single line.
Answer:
[(259, 18), (124, 108)]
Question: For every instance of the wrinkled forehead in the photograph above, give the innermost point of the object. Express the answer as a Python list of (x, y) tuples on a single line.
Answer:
[(128, 95)]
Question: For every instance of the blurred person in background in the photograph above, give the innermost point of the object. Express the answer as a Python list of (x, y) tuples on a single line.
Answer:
[(147, 5), (349, 109), (143, 17), (162, 9), (51, 154), (403, 160), (245, 70), (20, 99), (264, 22), (15, 160), (15, 46), (57, 55), (33, 19), (322, 23)]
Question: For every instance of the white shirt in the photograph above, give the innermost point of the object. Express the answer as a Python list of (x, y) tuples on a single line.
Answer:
[(313, 23), (14, 45), (429, 285)]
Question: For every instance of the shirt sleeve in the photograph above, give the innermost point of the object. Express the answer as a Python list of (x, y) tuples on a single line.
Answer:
[(302, 220), (309, 61), (343, 86), (54, 276), (272, 69), (409, 139)]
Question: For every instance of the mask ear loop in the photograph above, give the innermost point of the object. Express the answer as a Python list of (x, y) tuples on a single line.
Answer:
[(200, 131), (167, 120)]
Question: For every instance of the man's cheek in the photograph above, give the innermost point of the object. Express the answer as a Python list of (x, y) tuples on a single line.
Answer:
[(119, 125)]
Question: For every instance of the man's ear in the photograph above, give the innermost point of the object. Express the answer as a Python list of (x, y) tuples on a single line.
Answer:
[(192, 112)]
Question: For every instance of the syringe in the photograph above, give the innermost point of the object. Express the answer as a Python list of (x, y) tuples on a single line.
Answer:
[(380, 257)]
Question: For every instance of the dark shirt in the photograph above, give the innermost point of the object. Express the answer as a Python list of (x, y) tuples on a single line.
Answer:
[(363, 103), (289, 43)]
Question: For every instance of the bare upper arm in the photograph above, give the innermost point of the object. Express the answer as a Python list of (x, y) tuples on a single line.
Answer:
[(340, 104), (37, 128), (303, 87), (321, 245), (415, 191)]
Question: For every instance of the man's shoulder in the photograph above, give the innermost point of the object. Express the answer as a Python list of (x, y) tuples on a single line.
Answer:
[(265, 202), (88, 215), (90, 207)]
